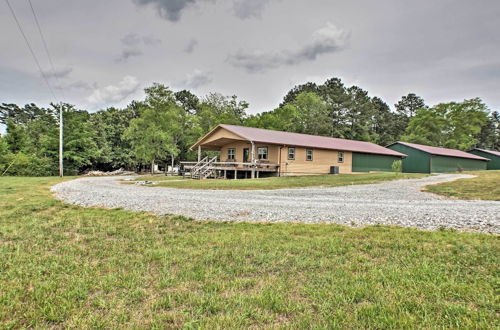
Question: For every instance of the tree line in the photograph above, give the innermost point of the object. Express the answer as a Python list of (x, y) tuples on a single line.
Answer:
[(161, 127)]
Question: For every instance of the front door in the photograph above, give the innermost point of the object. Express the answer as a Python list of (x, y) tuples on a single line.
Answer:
[(246, 154)]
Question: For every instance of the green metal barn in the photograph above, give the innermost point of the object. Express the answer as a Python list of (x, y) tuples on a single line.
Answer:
[(494, 156), (427, 159), (363, 162)]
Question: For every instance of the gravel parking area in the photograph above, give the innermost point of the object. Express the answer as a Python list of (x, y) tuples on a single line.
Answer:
[(398, 203)]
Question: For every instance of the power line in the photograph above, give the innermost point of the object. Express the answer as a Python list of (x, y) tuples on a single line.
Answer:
[(43, 75), (31, 49), (44, 44)]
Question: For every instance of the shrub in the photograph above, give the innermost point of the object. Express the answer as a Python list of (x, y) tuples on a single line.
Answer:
[(22, 164), (397, 166)]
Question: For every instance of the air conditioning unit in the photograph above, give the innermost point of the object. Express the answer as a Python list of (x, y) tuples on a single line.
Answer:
[(334, 170)]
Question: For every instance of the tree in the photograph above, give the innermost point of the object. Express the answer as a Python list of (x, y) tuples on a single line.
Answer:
[(17, 136), (295, 91), (285, 118), (154, 134), (346, 112), (427, 127), (4, 153), (4, 147), (489, 137), (406, 109), (338, 102), (312, 114), (14, 113), (218, 109), (188, 101), (409, 105), (384, 130), (80, 148), (451, 125), (114, 150)]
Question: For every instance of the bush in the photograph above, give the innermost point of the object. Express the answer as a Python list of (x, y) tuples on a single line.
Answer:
[(397, 166), (22, 164)]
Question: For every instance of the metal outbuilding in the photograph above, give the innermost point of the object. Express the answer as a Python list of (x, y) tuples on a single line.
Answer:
[(427, 159), (494, 156)]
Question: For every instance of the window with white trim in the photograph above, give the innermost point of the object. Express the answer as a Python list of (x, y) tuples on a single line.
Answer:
[(262, 153), (341, 157), (230, 153), (309, 154), (291, 153)]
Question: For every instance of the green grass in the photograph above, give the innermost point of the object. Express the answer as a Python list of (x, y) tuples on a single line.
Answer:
[(486, 185), (288, 181), (65, 266)]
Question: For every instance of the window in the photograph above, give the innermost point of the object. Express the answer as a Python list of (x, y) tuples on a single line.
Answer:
[(230, 153), (309, 154), (291, 153), (341, 157), (262, 153)]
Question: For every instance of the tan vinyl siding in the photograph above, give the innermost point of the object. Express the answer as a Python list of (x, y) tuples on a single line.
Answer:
[(322, 160), (272, 151), (221, 133)]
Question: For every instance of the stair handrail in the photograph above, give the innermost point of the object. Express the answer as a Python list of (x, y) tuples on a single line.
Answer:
[(198, 169), (206, 168)]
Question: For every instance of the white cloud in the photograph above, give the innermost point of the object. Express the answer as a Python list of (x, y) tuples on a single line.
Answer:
[(197, 79), (328, 39), (114, 93)]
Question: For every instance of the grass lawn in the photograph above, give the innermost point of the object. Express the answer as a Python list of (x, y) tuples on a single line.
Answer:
[(288, 181), (66, 266), (485, 186)]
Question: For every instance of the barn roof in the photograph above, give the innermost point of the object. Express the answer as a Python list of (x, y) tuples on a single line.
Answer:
[(441, 151), (305, 140), (492, 152)]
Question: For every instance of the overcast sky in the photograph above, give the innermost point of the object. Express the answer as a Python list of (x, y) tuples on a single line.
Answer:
[(106, 52)]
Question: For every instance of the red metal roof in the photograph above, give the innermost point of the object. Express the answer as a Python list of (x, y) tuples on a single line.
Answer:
[(442, 151), (493, 152), (305, 140)]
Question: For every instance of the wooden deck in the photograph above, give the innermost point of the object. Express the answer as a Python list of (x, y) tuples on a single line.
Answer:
[(231, 166), (210, 168)]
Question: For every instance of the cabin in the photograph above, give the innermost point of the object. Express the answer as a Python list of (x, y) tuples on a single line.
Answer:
[(492, 155), (427, 159), (247, 152)]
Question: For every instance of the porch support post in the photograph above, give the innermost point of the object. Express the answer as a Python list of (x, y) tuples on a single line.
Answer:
[(225, 174), (199, 153), (235, 174), (253, 160)]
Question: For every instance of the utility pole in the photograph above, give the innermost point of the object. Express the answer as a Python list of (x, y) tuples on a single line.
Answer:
[(61, 171)]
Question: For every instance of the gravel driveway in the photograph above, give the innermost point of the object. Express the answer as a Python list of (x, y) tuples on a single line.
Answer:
[(390, 203)]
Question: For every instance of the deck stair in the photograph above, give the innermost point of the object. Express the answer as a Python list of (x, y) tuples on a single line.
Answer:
[(204, 169)]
